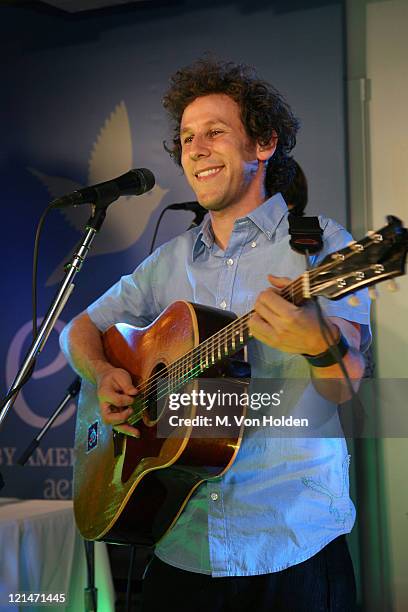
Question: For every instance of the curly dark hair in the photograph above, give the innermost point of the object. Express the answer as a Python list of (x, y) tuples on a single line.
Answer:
[(263, 111), (296, 195)]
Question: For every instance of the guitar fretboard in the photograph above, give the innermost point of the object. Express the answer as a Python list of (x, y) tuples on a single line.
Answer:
[(224, 343)]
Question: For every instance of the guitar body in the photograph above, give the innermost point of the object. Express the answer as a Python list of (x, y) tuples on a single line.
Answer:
[(130, 490)]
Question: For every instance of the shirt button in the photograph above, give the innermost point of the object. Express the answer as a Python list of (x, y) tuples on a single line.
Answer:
[(214, 496), (253, 244), (230, 261), (223, 304)]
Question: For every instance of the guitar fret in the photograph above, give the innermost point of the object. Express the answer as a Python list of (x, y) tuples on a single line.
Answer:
[(200, 364)]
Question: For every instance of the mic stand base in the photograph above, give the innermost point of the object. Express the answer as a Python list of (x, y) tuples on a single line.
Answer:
[(91, 592)]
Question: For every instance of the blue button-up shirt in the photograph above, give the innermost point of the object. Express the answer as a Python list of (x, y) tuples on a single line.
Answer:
[(283, 499)]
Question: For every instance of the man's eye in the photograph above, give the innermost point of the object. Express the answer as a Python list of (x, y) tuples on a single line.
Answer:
[(187, 139), (215, 132)]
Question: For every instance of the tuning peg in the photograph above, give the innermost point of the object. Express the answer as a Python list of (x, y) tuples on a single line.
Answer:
[(374, 236), (355, 246), (392, 286), (373, 293), (353, 300)]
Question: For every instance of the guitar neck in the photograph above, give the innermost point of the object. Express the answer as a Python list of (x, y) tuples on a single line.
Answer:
[(230, 339)]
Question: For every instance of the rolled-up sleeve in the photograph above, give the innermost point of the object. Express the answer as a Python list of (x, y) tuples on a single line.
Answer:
[(130, 300)]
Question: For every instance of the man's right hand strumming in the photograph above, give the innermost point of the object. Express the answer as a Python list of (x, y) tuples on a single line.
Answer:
[(116, 392), (81, 342)]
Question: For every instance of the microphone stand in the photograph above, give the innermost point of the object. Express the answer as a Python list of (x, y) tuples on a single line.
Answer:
[(198, 217), (194, 207), (92, 227), (91, 592), (72, 392), (72, 268)]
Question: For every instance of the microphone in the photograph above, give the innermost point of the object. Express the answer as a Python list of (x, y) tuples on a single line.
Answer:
[(199, 214), (193, 206), (134, 182), (198, 210)]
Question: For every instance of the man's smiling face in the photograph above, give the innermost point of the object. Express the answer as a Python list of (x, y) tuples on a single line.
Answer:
[(218, 157)]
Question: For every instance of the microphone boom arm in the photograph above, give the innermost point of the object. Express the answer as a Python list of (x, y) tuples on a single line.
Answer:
[(93, 226)]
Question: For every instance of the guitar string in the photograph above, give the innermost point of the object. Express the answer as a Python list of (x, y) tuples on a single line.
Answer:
[(163, 389), (183, 377), (290, 292), (294, 293), (222, 335), (216, 340)]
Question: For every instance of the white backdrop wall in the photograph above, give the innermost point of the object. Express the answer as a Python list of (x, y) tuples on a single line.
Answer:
[(387, 71)]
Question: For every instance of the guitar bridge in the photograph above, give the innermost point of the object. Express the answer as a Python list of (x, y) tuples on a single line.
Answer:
[(117, 439)]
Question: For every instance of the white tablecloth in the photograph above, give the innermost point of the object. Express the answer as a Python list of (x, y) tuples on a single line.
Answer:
[(41, 551)]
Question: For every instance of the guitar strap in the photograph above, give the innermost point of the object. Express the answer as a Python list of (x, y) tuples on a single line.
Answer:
[(305, 234)]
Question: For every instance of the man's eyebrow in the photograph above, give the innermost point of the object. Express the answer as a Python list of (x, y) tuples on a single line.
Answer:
[(188, 128)]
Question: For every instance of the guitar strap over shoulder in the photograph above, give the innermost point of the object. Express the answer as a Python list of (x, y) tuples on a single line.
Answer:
[(306, 234)]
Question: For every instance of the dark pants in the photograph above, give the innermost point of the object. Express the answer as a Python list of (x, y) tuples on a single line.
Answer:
[(324, 583)]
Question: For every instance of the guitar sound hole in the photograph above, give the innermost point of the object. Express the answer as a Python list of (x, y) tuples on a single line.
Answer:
[(153, 401)]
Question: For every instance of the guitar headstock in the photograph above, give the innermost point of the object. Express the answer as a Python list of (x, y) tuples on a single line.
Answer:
[(377, 257)]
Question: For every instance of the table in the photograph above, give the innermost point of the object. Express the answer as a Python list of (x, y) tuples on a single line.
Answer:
[(41, 551)]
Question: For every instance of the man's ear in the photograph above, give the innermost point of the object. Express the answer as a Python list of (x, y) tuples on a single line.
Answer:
[(265, 151)]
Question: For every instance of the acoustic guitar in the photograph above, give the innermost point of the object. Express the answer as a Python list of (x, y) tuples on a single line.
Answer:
[(130, 490)]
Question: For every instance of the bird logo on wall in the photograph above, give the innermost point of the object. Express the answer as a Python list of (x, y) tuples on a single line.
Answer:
[(111, 156)]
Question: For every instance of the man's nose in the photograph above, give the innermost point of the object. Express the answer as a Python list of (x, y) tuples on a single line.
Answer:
[(199, 147)]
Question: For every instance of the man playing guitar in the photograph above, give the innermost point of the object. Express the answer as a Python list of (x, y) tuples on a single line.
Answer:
[(269, 533)]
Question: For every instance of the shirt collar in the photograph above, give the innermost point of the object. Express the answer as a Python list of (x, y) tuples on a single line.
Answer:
[(266, 217), (269, 214)]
